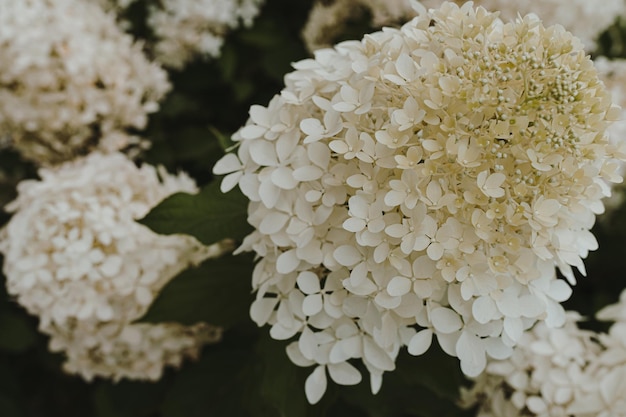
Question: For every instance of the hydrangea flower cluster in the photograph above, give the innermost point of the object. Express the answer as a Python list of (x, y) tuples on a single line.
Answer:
[(75, 257), (327, 19), (558, 372), (569, 13), (62, 94), (187, 28), (423, 181), (613, 74)]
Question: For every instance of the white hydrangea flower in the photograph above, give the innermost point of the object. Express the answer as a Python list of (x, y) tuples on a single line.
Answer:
[(135, 351), (546, 376), (585, 19), (69, 77), (327, 19), (613, 74), (423, 182), (75, 256), (187, 28), (558, 372)]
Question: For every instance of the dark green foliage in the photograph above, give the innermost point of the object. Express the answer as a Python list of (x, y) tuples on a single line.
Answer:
[(216, 292), (210, 216)]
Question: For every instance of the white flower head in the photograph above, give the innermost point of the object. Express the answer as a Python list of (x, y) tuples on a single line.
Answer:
[(558, 372), (70, 79), (549, 373), (583, 18), (188, 28), (430, 178), (613, 74), (327, 19), (75, 257)]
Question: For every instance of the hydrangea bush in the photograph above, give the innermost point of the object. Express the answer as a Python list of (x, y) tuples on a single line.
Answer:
[(416, 201)]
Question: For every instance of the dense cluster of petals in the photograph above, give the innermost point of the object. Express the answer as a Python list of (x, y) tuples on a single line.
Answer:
[(328, 19), (583, 18), (75, 257), (187, 28), (424, 181), (558, 372), (69, 78)]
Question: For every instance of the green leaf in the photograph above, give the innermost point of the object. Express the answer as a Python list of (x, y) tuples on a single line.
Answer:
[(128, 398), (216, 292), (9, 408), (17, 333), (210, 216), (215, 386)]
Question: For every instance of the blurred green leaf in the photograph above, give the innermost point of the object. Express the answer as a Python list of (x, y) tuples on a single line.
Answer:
[(216, 292), (215, 386), (128, 398), (9, 407), (210, 216), (17, 333)]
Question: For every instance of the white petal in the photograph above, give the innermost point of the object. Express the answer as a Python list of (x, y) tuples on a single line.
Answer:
[(280, 332), (484, 309), (405, 66), (376, 381), (354, 225), (338, 146), (252, 132), (261, 309), (347, 255), (308, 282), (287, 262), (315, 385), (513, 327), (294, 354), (445, 320), (307, 343), (559, 290), (312, 127), (263, 153), (394, 198), (273, 222), (227, 164), (358, 207), (283, 177), (230, 181), (420, 342), (497, 349), (344, 373), (259, 115), (471, 352), (345, 349), (376, 356), (398, 286), (531, 306), (307, 173), (312, 304)]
